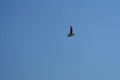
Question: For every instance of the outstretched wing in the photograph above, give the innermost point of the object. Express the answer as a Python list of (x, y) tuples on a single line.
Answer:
[(71, 30)]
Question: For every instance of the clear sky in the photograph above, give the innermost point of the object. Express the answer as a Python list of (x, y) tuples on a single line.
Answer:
[(34, 46)]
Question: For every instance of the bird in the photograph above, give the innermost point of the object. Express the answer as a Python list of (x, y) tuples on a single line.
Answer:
[(71, 32)]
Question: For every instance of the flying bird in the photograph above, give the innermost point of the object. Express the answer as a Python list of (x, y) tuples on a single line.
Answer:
[(71, 32)]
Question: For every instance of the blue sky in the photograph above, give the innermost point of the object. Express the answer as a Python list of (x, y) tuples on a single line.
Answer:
[(34, 46)]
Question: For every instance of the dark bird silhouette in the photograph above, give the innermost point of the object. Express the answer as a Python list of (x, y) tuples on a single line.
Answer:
[(71, 32)]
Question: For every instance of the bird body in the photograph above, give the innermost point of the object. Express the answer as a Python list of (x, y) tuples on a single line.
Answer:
[(71, 32)]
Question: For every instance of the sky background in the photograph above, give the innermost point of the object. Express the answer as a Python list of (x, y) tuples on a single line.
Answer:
[(34, 46)]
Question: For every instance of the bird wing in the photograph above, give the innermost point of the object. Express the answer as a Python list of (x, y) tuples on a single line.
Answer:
[(71, 30)]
